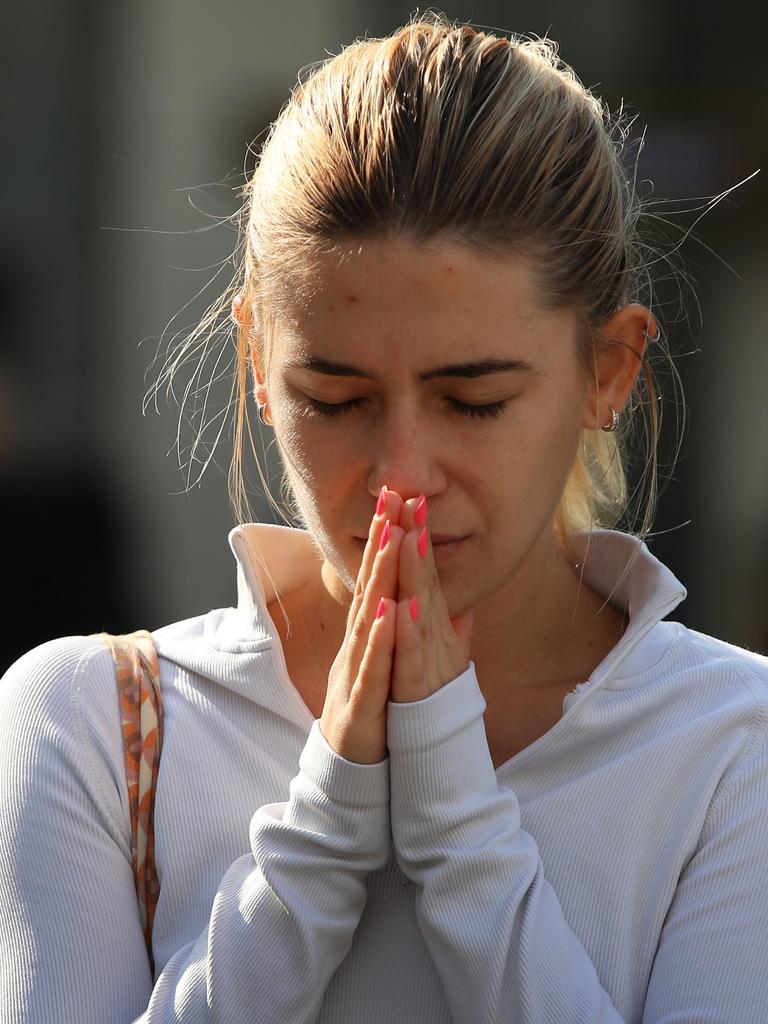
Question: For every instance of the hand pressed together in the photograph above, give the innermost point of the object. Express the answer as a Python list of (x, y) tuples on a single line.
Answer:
[(400, 643)]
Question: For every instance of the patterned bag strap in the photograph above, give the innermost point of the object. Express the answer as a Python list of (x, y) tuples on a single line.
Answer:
[(141, 713)]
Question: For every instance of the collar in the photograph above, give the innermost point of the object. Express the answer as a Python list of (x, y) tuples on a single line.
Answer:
[(274, 559), (621, 568)]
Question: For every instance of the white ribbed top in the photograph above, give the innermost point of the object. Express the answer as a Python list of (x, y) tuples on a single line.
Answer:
[(614, 870)]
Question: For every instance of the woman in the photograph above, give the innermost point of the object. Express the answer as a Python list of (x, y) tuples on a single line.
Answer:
[(444, 761)]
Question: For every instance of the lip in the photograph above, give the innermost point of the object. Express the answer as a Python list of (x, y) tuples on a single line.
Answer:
[(441, 549), (447, 548), (437, 539)]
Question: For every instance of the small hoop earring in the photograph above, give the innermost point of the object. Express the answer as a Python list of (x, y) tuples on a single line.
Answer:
[(614, 421), (263, 412), (656, 336)]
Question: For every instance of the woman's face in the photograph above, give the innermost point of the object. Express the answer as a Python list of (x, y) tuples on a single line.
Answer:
[(431, 370)]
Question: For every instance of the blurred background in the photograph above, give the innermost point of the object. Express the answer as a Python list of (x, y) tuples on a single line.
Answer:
[(127, 127)]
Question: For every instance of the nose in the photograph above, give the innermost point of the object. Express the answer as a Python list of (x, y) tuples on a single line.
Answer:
[(407, 459)]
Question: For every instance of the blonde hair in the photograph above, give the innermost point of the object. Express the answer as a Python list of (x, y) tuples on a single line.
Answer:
[(442, 131)]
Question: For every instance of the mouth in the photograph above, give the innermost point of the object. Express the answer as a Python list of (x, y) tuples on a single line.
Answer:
[(443, 545), (443, 549)]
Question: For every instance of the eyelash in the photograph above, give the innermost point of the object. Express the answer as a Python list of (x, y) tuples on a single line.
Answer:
[(488, 411)]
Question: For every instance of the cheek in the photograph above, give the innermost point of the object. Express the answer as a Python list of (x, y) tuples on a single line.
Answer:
[(314, 467), (534, 457), (296, 440), (295, 457)]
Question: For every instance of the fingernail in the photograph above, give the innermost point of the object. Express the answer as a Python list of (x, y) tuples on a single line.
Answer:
[(414, 609), (381, 609), (423, 543), (382, 499), (421, 511), (384, 535)]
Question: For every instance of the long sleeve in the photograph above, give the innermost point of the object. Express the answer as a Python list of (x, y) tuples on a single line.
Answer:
[(489, 918), (712, 959), (492, 922), (71, 946)]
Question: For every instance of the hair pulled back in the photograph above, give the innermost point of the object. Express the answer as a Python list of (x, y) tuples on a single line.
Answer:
[(436, 132)]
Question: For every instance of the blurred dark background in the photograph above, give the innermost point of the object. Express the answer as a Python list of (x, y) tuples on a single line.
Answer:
[(125, 138)]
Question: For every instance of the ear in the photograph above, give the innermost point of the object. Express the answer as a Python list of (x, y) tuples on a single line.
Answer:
[(260, 391), (618, 358), (240, 316)]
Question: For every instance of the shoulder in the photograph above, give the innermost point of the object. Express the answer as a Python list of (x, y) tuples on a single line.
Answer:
[(724, 660), (727, 689), (44, 679), (60, 723)]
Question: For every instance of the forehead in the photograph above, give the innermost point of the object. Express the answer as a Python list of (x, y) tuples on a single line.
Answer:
[(390, 299)]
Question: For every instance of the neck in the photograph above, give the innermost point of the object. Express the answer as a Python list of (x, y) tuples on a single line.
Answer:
[(545, 626)]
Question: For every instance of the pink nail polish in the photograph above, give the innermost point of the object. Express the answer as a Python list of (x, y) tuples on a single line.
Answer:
[(421, 511), (423, 543), (380, 611), (414, 609), (384, 535), (382, 500)]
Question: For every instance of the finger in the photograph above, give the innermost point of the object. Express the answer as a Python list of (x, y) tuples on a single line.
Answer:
[(381, 584), (374, 677), (408, 681), (414, 513), (445, 644), (416, 578), (417, 562), (389, 506), (414, 516), (354, 714), (354, 719)]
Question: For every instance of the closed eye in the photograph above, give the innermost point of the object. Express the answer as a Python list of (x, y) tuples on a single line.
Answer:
[(333, 408), (483, 411), (464, 408)]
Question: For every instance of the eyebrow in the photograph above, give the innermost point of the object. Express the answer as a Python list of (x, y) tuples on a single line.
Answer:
[(476, 368)]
